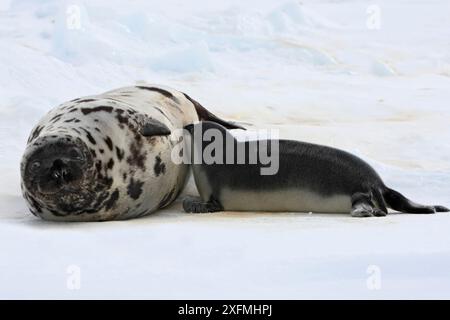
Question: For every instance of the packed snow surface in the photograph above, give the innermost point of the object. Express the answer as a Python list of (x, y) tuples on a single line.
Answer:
[(372, 78)]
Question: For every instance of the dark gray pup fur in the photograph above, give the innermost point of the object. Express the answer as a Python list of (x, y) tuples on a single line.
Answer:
[(311, 178)]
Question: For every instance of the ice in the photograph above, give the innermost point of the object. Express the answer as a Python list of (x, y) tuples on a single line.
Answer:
[(317, 71), (193, 58)]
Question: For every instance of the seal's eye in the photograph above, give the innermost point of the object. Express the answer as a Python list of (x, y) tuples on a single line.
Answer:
[(75, 154), (35, 166)]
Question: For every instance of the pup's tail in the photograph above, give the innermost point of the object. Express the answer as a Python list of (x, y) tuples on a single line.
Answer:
[(398, 202)]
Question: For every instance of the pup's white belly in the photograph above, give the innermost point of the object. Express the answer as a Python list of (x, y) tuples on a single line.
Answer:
[(283, 200)]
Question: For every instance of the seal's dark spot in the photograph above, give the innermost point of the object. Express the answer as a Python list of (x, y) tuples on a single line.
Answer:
[(36, 132), (120, 153), (98, 166), (166, 199), (110, 163), (109, 143), (76, 130), (97, 129), (99, 201), (165, 93), (134, 188), (56, 213), (94, 154), (159, 167), (137, 158), (101, 150), (85, 100), (124, 176), (89, 136), (112, 200), (120, 117), (73, 109), (96, 109), (56, 118), (36, 205)]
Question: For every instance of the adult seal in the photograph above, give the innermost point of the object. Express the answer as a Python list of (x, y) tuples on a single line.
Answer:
[(309, 178), (108, 156)]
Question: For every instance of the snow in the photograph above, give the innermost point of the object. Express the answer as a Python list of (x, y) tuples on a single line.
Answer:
[(321, 71)]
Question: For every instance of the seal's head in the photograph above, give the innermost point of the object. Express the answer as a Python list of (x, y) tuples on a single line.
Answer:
[(57, 175)]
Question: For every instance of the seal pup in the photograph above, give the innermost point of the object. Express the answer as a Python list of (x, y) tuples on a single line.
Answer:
[(310, 178), (108, 156)]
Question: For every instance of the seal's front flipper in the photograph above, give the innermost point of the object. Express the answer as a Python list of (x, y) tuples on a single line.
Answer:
[(362, 206), (152, 127), (197, 205), (205, 115)]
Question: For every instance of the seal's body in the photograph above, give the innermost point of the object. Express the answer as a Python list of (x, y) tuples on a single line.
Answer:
[(310, 178), (108, 156)]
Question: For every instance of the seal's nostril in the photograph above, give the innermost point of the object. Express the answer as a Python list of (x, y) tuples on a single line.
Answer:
[(58, 164)]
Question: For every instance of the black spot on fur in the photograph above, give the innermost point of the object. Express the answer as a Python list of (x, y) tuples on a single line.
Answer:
[(101, 150), (165, 93), (89, 136), (56, 118), (134, 188), (112, 200), (124, 176), (35, 205), (109, 143), (120, 153), (96, 109), (98, 166), (159, 167), (71, 120), (36, 132), (166, 199), (137, 157), (110, 164), (120, 117), (94, 154), (56, 213), (76, 130), (85, 100)]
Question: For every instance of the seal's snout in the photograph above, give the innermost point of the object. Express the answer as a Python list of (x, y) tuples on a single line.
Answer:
[(55, 166), (59, 173)]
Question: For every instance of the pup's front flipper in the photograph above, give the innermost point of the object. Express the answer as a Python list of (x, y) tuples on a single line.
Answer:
[(362, 206), (197, 205)]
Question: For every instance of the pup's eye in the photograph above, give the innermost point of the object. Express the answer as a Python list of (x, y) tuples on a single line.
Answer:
[(35, 166)]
